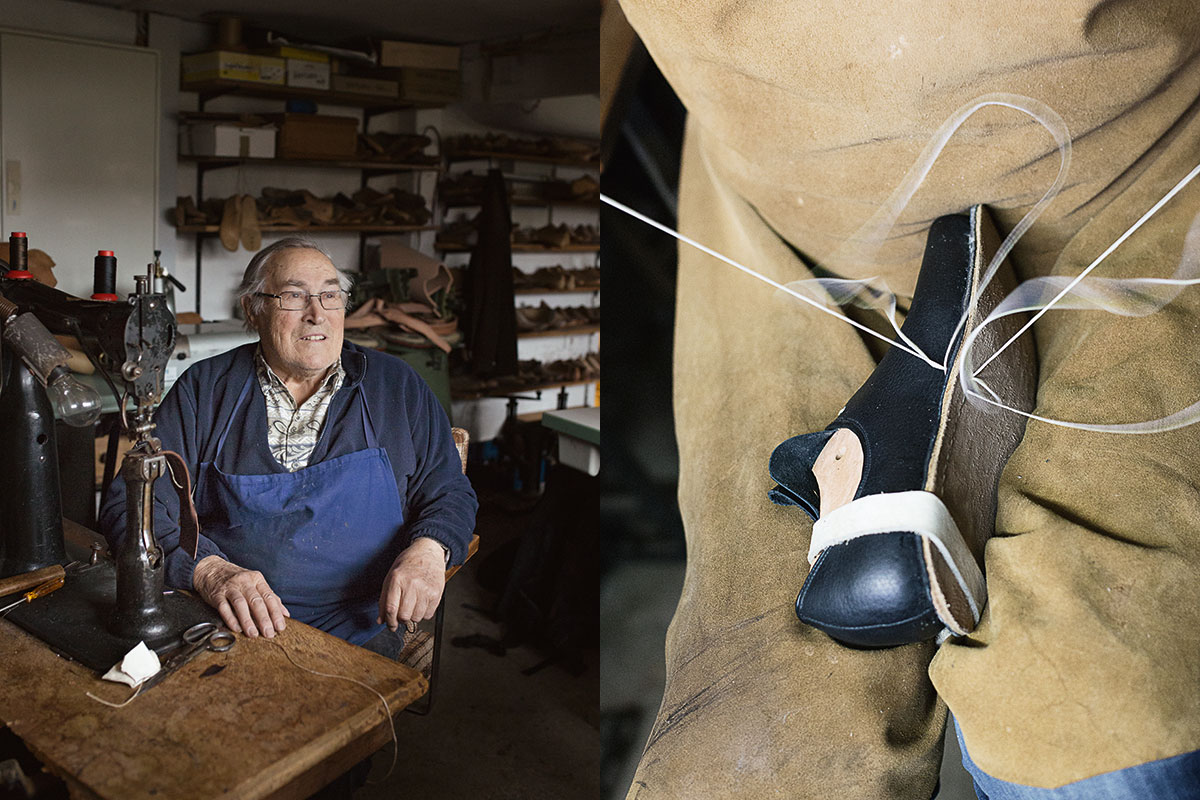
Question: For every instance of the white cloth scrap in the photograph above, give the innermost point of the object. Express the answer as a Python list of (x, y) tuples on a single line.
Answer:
[(138, 664)]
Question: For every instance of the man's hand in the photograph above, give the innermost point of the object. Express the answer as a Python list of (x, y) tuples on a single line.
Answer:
[(413, 586), (241, 596)]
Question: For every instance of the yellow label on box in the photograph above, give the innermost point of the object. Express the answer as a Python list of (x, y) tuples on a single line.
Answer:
[(230, 66)]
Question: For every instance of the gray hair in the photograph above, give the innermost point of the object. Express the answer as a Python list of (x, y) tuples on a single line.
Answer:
[(254, 280)]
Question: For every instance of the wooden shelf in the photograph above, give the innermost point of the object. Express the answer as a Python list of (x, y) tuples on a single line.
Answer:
[(543, 387), (524, 247), (479, 155), (577, 290), (379, 167), (536, 416), (207, 230), (529, 203), (217, 87), (582, 330)]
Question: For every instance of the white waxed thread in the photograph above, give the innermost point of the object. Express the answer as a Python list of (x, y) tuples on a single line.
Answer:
[(1041, 113), (686, 240), (386, 709), (1153, 210)]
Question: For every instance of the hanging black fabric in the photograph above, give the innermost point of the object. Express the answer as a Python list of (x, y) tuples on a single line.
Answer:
[(492, 331)]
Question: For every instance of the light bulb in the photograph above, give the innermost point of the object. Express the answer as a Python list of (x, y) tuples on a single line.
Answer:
[(74, 403)]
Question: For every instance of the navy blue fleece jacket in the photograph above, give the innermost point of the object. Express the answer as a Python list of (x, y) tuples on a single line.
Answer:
[(437, 499)]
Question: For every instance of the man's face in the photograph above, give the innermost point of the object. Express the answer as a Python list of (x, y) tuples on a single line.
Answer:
[(300, 345)]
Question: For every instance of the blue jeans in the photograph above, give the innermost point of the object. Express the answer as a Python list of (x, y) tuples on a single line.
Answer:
[(1175, 778)]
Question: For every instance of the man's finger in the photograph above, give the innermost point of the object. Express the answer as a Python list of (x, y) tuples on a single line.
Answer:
[(228, 617), (408, 602), (276, 609), (389, 601), (262, 615), (242, 609)]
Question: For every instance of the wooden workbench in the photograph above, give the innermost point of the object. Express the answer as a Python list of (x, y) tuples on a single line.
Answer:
[(258, 728)]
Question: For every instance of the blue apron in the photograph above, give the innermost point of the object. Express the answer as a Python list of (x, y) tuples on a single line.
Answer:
[(324, 536)]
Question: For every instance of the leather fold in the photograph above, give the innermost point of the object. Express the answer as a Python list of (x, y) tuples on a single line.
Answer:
[(189, 523)]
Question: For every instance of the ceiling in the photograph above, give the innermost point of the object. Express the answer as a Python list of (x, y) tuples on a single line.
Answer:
[(332, 21)]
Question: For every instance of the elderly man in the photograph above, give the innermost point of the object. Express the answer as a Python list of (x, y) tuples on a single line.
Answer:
[(327, 484)]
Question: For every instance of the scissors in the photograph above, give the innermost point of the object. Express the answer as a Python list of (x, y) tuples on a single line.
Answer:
[(200, 637)]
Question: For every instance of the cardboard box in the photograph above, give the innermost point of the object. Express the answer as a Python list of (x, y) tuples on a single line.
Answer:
[(306, 74), (428, 85), (316, 136), (227, 65), (419, 56), (287, 51), (229, 139), (373, 87)]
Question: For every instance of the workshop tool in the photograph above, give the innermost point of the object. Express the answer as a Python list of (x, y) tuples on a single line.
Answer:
[(41, 590), (17, 583), (196, 639), (129, 342)]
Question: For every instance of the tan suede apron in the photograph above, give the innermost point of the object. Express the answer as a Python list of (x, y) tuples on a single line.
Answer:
[(803, 117)]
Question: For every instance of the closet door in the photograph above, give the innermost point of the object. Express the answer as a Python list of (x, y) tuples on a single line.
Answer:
[(79, 150)]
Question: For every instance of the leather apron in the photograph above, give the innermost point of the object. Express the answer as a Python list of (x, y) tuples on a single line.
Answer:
[(323, 536)]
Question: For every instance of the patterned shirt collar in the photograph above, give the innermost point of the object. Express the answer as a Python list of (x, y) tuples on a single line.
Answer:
[(336, 375), (292, 433)]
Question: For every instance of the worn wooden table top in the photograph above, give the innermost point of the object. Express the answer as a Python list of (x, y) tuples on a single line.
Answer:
[(260, 727)]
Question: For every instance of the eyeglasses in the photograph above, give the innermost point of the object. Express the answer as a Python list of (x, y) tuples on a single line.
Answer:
[(292, 300)]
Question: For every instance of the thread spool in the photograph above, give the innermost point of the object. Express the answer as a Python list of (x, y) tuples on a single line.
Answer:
[(104, 277), (18, 256)]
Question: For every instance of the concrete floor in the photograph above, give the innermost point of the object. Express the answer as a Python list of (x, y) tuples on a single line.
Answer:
[(637, 600), (495, 733)]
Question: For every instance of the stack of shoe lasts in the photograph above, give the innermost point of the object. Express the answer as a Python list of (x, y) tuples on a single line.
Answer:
[(557, 237), (531, 374), (241, 218), (460, 232), (368, 206), (564, 148), (186, 212), (545, 318), (557, 278), (461, 189), (581, 189), (587, 278), (585, 234), (236, 216), (528, 193), (396, 148)]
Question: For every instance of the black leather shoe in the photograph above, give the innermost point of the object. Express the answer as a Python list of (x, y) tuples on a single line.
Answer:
[(902, 485)]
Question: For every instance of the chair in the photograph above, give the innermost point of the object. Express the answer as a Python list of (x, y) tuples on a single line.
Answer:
[(423, 649)]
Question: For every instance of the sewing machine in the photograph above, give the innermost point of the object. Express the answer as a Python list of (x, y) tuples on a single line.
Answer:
[(103, 609)]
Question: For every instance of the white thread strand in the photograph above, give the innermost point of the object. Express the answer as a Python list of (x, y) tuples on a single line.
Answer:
[(386, 709), (781, 287), (137, 692), (1066, 289)]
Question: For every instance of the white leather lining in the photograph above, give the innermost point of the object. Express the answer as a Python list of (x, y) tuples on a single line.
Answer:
[(922, 513)]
